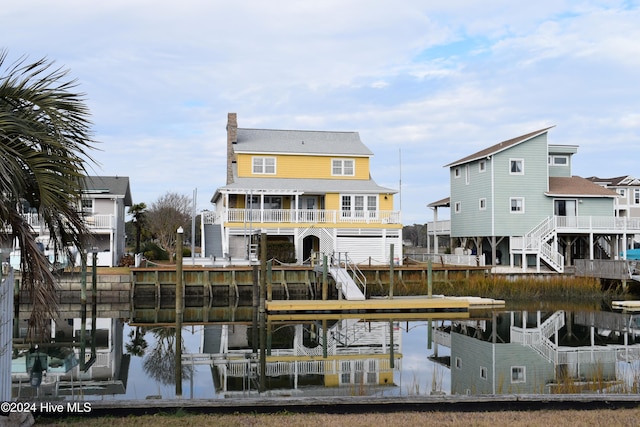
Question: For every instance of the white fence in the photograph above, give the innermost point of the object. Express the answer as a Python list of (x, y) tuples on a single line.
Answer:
[(6, 331), (446, 259)]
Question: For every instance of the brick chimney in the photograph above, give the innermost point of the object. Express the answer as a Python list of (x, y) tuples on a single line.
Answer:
[(232, 138)]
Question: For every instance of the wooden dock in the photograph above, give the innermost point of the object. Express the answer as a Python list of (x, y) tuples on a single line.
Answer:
[(629, 306), (435, 307)]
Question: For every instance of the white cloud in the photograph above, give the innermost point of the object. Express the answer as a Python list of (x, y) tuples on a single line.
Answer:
[(437, 79)]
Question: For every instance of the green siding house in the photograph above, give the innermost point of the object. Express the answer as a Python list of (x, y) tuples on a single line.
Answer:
[(517, 203)]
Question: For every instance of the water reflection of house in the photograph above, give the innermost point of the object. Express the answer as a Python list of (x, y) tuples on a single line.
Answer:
[(358, 357), (104, 372), (539, 352)]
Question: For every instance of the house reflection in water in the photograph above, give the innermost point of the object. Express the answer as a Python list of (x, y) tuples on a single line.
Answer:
[(541, 352), (104, 372), (348, 356)]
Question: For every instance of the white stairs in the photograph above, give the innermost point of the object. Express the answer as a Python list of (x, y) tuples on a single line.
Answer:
[(536, 241), (346, 284), (346, 273)]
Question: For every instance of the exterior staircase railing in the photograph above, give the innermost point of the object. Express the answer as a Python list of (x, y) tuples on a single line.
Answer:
[(538, 338), (343, 269), (536, 240)]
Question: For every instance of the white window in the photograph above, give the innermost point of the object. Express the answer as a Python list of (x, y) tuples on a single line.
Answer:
[(559, 160), (517, 204), (482, 204), (466, 174), (87, 206), (516, 166), (622, 192), (636, 196), (359, 206), (457, 207), (482, 166), (518, 374), (483, 372), (264, 165), (343, 167), (458, 363), (456, 172)]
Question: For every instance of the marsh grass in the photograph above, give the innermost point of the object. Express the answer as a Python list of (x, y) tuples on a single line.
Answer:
[(529, 288)]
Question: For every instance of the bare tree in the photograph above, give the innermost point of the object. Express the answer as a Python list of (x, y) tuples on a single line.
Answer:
[(165, 216)]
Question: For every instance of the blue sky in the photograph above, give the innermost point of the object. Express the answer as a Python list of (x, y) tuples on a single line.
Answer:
[(424, 82)]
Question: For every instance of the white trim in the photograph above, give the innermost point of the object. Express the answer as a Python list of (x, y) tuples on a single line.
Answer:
[(523, 371), (342, 167), (263, 165), (516, 211), (480, 203), (516, 160), (554, 157)]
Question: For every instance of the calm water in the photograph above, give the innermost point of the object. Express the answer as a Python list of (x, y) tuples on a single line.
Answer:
[(491, 352)]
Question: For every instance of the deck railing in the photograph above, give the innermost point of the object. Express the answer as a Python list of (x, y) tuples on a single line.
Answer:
[(93, 222), (315, 216)]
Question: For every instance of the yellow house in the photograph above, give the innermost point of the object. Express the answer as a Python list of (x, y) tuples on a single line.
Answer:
[(310, 190)]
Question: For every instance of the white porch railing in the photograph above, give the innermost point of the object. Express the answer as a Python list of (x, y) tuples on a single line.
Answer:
[(322, 216), (596, 223), (439, 227), (93, 222)]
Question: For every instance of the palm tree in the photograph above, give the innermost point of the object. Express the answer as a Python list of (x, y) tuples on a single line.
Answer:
[(44, 142), (139, 214)]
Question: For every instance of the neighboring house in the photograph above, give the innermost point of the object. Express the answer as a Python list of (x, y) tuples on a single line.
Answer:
[(103, 204), (517, 203), (356, 353), (539, 352), (628, 204), (311, 190)]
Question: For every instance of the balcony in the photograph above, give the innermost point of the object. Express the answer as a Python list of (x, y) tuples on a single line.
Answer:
[(93, 222), (301, 216)]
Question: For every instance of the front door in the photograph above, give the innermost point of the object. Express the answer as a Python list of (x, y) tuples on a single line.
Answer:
[(566, 209), (307, 206)]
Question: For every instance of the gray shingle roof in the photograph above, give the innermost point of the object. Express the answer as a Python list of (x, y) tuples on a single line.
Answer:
[(112, 185), (308, 186), (300, 142)]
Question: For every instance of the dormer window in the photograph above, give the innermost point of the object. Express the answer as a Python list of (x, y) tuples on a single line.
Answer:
[(264, 165), (558, 160), (343, 167)]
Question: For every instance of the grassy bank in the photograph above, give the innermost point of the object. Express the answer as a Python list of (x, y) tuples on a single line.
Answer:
[(554, 288), (617, 417)]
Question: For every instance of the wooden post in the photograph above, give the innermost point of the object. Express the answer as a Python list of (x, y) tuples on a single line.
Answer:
[(16, 308), (391, 271), (179, 312), (429, 278), (391, 349), (262, 313), (269, 281), (325, 284), (324, 338)]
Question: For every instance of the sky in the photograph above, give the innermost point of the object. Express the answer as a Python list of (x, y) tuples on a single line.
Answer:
[(424, 83)]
